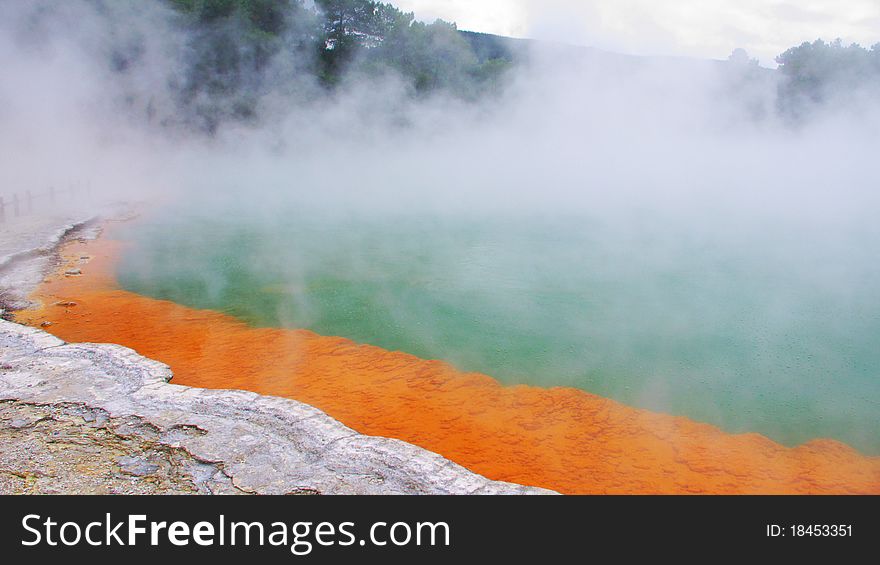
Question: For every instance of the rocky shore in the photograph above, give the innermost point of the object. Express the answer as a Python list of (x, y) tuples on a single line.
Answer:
[(99, 418)]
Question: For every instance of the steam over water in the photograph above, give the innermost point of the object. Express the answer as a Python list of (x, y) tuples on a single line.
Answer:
[(690, 236), (771, 327)]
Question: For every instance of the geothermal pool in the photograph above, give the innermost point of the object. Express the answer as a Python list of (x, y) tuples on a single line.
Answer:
[(764, 329)]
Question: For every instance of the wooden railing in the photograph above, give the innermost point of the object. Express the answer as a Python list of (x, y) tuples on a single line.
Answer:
[(27, 202)]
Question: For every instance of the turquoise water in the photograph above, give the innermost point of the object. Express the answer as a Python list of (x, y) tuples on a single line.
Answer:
[(766, 329)]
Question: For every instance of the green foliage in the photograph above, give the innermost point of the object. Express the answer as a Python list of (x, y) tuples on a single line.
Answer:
[(230, 46), (238, 52), (489, 47), (817, 73), (268, 16), (432, 56), (359, 20), (232, 42), (371, 37), (206, 10)]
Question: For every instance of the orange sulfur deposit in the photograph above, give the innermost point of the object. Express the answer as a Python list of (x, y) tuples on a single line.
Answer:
[(559, 438)]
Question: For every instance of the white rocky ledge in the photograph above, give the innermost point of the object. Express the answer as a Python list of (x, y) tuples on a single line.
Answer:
[(259, 444)]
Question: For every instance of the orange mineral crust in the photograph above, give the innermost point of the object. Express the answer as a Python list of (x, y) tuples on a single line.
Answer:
[(560, 438)]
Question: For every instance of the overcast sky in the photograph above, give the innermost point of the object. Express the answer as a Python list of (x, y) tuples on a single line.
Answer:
[(702, 28)]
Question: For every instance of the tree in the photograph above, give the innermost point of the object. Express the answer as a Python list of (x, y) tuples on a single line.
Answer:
[(740, 58), (819, 73), (431, 56), (230, 45)]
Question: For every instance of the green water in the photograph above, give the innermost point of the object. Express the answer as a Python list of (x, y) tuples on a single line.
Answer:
[(754, 330)]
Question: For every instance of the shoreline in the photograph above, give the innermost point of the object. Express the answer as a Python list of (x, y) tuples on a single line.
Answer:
[(564, 439), (78, 418)]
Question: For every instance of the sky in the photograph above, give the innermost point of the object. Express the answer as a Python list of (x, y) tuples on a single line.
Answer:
[(697, 28)]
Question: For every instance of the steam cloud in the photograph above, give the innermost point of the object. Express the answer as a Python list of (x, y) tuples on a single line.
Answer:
[(693, 150)]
